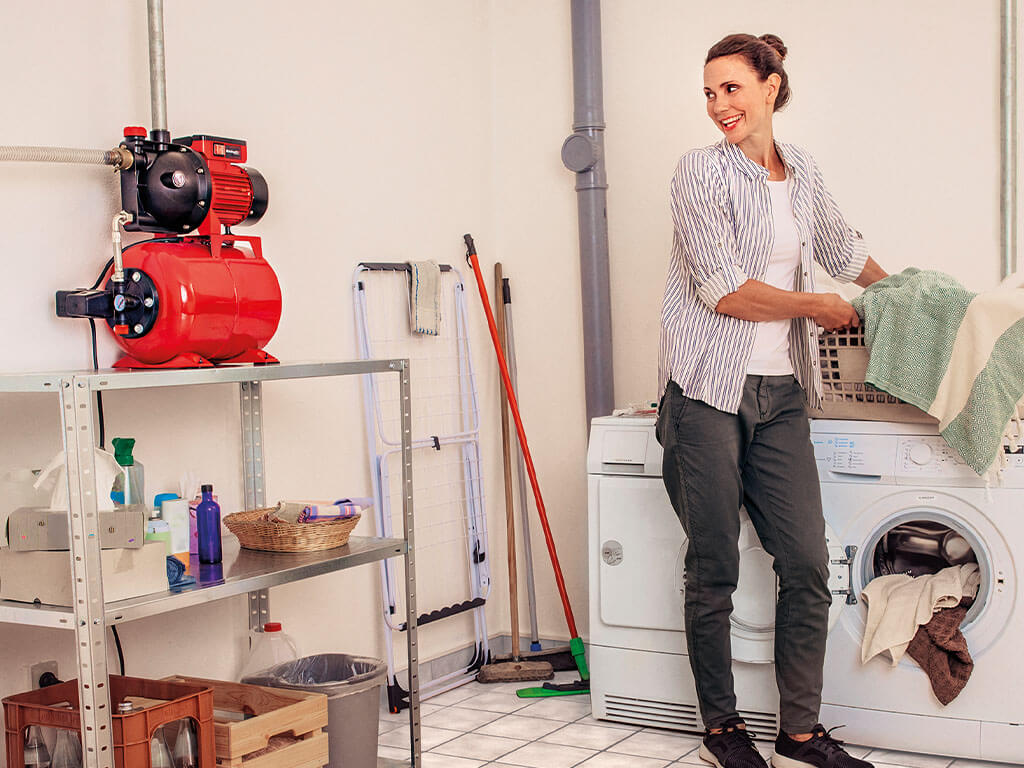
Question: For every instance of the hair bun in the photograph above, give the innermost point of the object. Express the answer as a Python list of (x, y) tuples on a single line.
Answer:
[(776, 43)]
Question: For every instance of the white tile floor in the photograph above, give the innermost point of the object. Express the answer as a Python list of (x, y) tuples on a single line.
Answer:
[(488, 725)]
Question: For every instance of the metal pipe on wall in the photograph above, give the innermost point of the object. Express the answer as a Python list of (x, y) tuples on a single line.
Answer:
[(583, 153), (1008, 138), (157, 76)]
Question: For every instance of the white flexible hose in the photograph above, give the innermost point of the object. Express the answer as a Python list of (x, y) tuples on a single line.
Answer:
[(60, 155)]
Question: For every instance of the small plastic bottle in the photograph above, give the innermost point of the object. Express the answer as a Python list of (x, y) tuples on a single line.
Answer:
[(208, 526), (269, 648)]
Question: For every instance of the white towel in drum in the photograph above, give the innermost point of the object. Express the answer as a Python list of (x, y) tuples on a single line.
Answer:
[(899, 604), (425, 297)]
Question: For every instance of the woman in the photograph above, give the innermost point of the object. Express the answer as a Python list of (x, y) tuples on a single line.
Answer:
[(738, 363)]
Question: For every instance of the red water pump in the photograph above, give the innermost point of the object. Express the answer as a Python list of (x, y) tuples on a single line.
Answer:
[(196, 294)]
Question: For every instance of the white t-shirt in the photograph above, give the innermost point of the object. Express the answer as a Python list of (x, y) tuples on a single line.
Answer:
[(770, 354)]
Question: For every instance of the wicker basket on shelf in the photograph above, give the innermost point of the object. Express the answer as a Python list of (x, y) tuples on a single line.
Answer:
[(256, 533)]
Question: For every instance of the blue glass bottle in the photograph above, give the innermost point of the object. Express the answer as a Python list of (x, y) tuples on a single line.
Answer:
[(208, 527)]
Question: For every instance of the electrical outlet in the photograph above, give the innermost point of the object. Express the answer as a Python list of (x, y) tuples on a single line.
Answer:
[(36, 671)]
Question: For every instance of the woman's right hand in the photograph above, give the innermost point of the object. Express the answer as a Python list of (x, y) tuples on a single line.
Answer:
[(835, 312)]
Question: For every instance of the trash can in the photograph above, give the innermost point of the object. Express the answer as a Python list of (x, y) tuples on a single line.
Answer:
[(352, 685)]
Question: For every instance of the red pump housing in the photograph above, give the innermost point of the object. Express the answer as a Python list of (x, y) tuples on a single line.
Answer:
[(196, 294), (211, 307)]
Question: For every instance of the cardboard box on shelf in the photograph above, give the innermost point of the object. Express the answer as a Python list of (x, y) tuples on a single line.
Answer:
[(46, 576), (39, 528)]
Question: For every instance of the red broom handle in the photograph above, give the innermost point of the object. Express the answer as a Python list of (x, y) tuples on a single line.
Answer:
[(559, 579)]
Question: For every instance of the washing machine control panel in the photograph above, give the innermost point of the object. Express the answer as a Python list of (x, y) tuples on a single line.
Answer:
[(930, 457)]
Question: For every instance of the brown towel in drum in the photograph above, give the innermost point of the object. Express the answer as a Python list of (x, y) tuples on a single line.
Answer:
[(941, 649)]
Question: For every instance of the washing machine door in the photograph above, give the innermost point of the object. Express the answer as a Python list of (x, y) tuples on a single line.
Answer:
[(991, 613), (640, 574)]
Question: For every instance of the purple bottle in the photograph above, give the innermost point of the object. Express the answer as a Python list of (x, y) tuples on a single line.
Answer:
[(208, 525)]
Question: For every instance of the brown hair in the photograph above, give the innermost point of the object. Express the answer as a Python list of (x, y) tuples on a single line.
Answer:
[(764, 54)]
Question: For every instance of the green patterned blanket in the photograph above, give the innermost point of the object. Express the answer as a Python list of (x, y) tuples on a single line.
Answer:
[(956, 354)]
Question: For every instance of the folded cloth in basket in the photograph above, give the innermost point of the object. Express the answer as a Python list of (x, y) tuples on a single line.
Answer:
[(953, 353), (317, 511)]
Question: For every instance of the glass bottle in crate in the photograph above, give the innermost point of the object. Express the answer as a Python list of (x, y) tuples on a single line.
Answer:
[(67, 752), (186, 747), (36, 753), (159, 754)]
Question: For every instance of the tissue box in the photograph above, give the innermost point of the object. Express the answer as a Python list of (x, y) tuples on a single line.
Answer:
[(36, 528), (46, 576)]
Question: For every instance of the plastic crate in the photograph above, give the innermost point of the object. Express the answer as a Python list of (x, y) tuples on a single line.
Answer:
[(58, 707), (843, 359)]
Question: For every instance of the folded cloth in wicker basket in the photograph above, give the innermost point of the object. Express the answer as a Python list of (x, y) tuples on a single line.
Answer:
[(316, 511), (953, 353)]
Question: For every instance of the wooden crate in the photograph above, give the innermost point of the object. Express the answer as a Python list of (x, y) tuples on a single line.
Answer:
[(275, 712)]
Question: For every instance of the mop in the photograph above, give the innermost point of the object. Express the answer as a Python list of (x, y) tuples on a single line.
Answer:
[(515, 669), (575, 644)]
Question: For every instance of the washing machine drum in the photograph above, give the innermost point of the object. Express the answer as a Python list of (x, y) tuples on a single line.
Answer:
[(921, 547)]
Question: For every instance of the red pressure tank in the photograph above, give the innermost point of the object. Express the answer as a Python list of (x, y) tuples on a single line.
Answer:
[(194, 306)]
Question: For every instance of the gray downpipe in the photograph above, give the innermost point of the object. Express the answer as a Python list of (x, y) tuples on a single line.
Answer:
[(157, 77), (583, 153), (1008, 138)]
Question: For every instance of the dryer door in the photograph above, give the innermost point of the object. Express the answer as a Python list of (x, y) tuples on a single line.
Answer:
[(643, 550), (640, 539)]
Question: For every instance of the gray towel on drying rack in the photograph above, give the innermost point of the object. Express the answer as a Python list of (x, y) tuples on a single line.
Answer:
[(425, 297)]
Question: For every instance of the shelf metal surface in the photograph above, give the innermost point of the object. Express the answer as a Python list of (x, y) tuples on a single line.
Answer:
[(180, 377), (241, 571), (113, 378), (31, 382)]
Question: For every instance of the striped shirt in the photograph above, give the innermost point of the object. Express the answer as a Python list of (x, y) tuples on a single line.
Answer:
[(721, 209)]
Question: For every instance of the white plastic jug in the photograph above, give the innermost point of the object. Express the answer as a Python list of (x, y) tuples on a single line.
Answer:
[(269, 648)]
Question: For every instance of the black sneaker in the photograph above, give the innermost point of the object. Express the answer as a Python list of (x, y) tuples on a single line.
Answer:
[(819, 751), (732, 748)]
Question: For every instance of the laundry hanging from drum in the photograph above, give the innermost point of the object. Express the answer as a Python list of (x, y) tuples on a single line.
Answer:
[(898, 604)]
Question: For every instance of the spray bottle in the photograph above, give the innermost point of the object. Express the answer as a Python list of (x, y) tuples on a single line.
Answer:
[(129, 486)]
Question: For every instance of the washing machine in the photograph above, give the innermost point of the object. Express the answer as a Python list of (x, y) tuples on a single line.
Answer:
[(640, 672), (892, 494)]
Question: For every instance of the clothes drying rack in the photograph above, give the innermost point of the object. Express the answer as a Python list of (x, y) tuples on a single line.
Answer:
[(450, 528)]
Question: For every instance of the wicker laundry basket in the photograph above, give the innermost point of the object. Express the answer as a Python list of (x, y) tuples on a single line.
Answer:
[(256, 533), (843, 357)]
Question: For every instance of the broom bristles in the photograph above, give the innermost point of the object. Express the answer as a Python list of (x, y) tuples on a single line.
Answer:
[(515, 672)]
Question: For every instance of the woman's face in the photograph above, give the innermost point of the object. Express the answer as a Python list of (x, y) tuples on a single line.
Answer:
[(739, 103)]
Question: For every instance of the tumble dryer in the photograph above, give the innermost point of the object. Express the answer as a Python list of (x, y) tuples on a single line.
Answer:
[(640, 672), (895, 495)]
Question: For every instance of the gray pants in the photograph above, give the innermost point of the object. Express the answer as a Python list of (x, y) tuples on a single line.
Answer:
[(760, 458)]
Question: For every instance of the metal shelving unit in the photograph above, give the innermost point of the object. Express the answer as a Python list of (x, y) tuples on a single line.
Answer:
[(242, 571)]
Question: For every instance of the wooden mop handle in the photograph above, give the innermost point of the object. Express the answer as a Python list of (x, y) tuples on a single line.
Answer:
[(514, 405)]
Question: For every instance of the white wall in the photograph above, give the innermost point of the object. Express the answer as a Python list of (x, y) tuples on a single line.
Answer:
[(386, 131)]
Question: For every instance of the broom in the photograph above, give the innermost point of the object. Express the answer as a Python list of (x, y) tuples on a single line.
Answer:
[(576, 646), (515, 670)]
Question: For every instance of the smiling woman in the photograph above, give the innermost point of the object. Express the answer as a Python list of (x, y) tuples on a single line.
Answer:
[(738, 364), (745, 83)]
